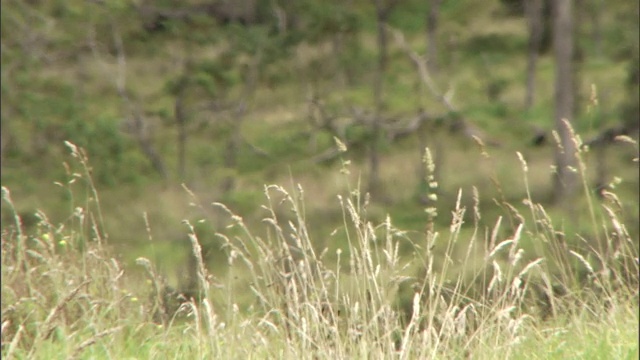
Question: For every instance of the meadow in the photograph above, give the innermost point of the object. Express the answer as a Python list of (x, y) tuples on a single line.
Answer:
[(523, 288), (176, 186)]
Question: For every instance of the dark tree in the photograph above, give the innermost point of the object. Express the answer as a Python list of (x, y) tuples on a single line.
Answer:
[(533, 11), (432, 33), (565, 177)]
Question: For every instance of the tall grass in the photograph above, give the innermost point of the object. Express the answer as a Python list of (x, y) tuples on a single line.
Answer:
[(522, 289)]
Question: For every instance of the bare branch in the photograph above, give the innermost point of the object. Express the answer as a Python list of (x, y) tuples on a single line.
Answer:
[(459, 124), (422, 70)]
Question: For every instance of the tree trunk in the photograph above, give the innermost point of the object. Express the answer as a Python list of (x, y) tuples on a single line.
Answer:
[(565, 177), (140, 130), (432, 32), (533, 11), (146, 145), (233, 144), (231, 155), (596, 28), (337, 46), (382, 11), (579, 16), (181, 123)]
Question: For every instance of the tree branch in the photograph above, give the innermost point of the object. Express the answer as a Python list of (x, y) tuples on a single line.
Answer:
[(459, 124)]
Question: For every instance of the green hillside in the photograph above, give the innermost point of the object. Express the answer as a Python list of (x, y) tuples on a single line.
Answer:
[(86, 72)]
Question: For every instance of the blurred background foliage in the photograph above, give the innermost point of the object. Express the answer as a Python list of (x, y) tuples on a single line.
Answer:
[(226, 96)]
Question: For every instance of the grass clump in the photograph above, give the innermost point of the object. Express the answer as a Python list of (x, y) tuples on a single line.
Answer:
[(521, 288)]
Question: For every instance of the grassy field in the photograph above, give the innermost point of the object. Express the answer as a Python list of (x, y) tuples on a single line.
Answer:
[(519, 289), (102, 258)]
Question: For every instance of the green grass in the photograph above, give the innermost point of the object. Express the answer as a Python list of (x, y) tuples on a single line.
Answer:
[(499, 290)]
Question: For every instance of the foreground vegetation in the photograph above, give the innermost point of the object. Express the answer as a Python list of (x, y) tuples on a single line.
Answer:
[(523, 288)]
